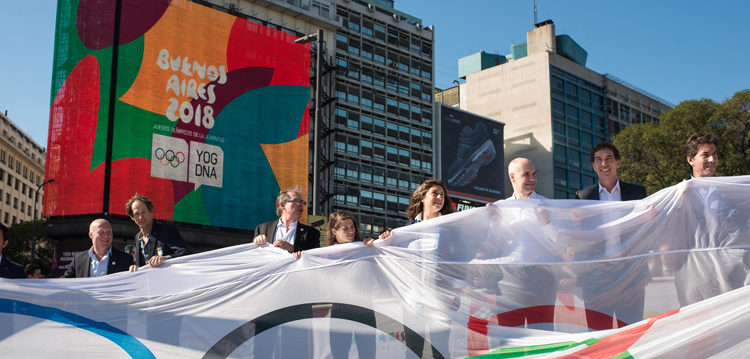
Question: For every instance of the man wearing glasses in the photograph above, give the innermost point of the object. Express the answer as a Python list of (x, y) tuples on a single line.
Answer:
[(286, 232)]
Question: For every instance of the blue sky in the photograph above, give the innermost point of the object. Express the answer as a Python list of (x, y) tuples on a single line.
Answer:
[(677, 50)]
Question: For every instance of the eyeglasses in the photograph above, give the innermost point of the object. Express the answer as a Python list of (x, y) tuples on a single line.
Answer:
[(297, 201)]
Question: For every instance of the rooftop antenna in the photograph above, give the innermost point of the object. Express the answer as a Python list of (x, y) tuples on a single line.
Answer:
[(534, 12)]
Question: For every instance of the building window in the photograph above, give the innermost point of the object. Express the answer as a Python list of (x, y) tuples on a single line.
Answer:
[(352, 146), (560, 176), (367, 28), (365, 198), (574, 158), (339, 172), (558, 152), (556, 85), (366, 149), (365, 174), (378, 152), (574, 180), (392, 203), (379, 201), (558, 106), (571, 91), (378, 175), (573, 135)]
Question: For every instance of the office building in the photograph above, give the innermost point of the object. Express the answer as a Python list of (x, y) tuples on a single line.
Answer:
[(383, 119), (555, 109), (21, 172)]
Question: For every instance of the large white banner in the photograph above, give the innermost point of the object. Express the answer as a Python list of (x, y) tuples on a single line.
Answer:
[(664, 276)]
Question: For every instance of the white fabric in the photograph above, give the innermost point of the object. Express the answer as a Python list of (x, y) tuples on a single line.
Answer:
[(466, 283)]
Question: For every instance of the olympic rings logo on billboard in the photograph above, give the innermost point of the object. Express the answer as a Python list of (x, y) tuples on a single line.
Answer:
[(169, 157)]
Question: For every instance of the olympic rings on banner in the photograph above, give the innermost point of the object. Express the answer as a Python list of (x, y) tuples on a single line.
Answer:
[(169, 157)]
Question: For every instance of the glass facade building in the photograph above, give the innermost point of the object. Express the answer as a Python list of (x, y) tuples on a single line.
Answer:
[(578, 124)]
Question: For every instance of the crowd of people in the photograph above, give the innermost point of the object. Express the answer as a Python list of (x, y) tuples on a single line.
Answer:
[(157, 242)]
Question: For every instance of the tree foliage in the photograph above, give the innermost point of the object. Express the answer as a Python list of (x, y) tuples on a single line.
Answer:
[(19, 247), (653, 154)]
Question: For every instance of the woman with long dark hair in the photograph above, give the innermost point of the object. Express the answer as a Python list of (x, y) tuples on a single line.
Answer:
[(430, 200)]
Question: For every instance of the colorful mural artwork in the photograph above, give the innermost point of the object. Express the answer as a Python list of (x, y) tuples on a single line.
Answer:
[(208, 112)]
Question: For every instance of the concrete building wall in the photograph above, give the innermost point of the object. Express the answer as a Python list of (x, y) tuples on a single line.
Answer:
[(21, 171), (541, 39), (518, 94)]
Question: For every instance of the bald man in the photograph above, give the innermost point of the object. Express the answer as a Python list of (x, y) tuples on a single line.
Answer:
[(101, 259), (523, 178)]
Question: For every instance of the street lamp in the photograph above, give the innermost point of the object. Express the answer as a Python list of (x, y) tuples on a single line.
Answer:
[(33, 218), (315, 37)]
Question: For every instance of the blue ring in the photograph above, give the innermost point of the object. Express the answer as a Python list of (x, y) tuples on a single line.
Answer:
[(127, 342)]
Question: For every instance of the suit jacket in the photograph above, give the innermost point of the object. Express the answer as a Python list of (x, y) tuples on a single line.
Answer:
[(164, 239), (628, 192), (305, 238), (119, 261), (11, 269)]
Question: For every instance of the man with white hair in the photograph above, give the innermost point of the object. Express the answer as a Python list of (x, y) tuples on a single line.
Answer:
[(286, 232)]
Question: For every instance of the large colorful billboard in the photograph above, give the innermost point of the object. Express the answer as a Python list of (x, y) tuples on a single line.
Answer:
[(471, 154), (203, 112)]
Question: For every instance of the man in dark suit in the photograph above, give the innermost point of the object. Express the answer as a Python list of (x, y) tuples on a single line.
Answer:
[(101, 259), (606, 161), (155, 242), (286, 232), (625, 303), (8, 268)]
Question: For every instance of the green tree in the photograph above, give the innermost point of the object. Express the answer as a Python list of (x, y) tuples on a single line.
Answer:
[(19, 247), (653, 154), (732, 120)]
